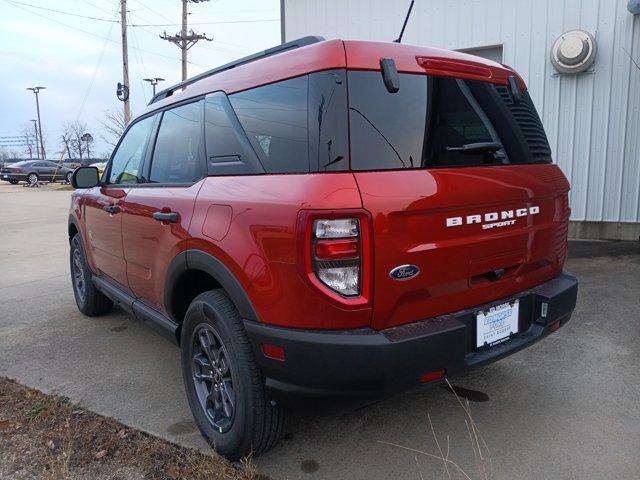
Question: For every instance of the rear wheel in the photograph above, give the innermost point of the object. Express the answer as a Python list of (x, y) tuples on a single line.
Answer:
[(224, 385), (32, 178), (91, 301)]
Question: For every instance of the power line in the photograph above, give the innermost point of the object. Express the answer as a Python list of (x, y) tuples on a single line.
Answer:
[(185, 40), (15, 3), (95, 70), (93, 34), (206, 23)]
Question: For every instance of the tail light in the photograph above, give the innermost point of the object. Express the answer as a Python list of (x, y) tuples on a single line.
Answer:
[(337, 254), (14, 170)]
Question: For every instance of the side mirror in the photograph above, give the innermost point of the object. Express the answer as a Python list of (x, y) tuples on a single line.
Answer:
[(85, 177)]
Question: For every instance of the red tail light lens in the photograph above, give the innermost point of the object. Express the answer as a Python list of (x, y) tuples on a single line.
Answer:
[(337, 254), (337, 249)]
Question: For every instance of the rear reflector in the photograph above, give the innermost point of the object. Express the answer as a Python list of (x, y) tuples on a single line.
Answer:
[(431, 376), (334, 249), (555, 326), (273, 351)]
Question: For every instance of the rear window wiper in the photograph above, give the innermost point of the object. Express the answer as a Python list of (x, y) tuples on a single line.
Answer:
[(476, 147)]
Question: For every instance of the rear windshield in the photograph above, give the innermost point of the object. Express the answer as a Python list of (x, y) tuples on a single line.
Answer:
[(436, 122)]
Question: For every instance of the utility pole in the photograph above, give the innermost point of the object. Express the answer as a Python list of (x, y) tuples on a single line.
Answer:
[(125, 62), (154, 81), (36, 90), (35, 129), (185, 40)]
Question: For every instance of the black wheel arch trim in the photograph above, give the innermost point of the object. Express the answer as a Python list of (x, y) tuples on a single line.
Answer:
[(74, 221), (199, 260)]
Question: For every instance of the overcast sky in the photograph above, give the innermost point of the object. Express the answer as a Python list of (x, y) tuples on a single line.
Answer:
[(79, 59)]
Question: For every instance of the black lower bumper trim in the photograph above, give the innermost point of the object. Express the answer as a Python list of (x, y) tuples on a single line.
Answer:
[(369, 362)]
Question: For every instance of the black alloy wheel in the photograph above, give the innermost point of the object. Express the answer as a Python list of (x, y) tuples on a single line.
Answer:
[(211, 371), (79, 281)]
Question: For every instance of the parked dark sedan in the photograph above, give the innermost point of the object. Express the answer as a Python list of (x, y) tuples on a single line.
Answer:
[(33, 171)]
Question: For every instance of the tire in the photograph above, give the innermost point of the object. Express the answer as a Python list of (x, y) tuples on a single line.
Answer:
[(91, 301), (32, 178), (13, 182), (247, 421)]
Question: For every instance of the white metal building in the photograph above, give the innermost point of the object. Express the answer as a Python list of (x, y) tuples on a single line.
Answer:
[(592, 118)]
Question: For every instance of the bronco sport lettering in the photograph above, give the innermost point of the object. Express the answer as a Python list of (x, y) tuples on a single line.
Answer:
[(260, 216)]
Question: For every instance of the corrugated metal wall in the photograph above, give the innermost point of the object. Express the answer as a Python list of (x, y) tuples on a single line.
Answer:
[(592, 120)]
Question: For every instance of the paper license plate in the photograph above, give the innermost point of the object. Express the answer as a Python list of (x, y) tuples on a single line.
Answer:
[(497, 323)]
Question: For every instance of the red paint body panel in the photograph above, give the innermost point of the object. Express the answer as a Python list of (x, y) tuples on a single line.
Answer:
[(262, 246), (410, 208), (151, 245), (103, 233)]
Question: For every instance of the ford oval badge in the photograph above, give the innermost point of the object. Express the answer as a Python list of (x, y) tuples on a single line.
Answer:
[(404, 272)]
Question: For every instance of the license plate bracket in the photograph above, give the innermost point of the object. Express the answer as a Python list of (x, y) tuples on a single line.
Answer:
[(497, 324)]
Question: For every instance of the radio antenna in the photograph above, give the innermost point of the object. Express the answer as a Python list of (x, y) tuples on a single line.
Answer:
[(404, 25)]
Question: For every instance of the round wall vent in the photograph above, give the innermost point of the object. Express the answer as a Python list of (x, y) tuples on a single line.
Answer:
[(574, 51)]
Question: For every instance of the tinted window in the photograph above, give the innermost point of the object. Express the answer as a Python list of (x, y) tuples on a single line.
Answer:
[(327, 120), (428, 121), (457, 120), (274, 118), (229, 151), (127, 160), (387, 129), (177, 152)]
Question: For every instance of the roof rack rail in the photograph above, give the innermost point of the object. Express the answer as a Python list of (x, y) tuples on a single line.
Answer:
[(300, 42)]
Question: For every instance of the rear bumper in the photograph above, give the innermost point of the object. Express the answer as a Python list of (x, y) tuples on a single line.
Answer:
[(12, 176), (369, 362)]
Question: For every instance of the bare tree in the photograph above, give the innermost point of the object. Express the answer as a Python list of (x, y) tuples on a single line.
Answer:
[(65, 139), (27, 131), (72, 137), (114, 125)]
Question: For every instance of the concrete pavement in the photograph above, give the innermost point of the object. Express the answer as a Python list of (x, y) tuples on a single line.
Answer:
[(567, 407)]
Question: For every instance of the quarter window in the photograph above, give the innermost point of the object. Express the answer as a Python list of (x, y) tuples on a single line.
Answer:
[(274, 118), (127, 161), (178, 150)]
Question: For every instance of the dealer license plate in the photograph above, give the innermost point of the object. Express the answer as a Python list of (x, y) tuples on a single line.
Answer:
[(497, 324)]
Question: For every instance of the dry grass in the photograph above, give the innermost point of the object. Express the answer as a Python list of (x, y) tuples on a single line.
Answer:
[(47, 437), (482, 455)]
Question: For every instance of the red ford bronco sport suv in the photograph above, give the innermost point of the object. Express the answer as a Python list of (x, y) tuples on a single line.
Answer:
[(328, 218)]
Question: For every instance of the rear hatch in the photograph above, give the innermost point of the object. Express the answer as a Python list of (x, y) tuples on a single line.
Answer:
[(458, 178)]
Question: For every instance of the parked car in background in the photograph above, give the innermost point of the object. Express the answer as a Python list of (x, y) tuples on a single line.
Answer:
[(34, 171)]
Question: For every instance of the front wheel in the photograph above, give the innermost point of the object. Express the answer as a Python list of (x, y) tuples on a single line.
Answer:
[(91, 301), (223, 383)]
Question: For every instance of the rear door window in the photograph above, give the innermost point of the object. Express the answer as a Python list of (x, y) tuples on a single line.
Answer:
[(274, 118), (229, 151), (177, 154)]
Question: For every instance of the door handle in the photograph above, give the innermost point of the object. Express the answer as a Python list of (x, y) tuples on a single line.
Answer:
[(111, 209), (170, 217)]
